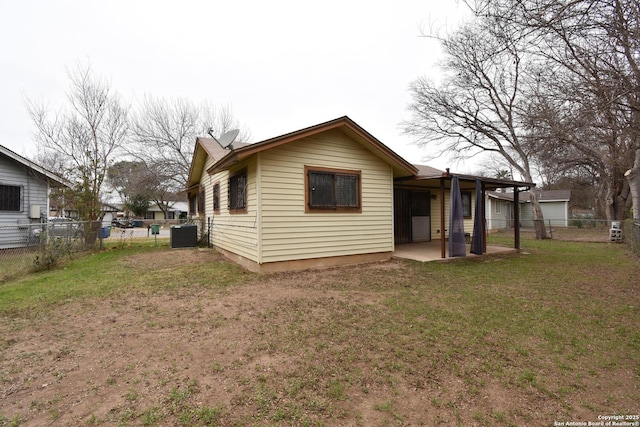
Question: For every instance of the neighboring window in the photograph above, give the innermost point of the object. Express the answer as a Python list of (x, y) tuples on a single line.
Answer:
[(466, 203), (201, 200), (216, 197), (237, 197), (9, 198), (192, 205), (332, 190), (498, 207), (149, 215), (171, 215)]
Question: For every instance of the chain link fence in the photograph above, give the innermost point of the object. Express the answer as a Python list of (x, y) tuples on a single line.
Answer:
[(32, 247), (28, 247), (632, 233)]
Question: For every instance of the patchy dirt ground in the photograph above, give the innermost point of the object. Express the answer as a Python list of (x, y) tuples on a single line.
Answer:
[(242, 354), (152, 359)]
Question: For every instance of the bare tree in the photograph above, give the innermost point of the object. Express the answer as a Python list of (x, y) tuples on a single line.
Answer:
[(84, 138), (133, 183), (481, 104), (165, 133), (589, 105)]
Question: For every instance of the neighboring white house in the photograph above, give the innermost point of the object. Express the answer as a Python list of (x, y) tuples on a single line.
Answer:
[(555, 206), (177, 210), (24, 195)]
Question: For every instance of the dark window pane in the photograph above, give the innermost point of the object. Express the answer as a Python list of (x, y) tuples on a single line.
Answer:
[(201, 199), (237, 191), (347, 191), (321, 190), (333, 190), (420, 203), (216, 197), (9, 198), (466, 203)]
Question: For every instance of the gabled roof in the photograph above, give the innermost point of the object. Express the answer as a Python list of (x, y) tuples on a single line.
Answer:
[(400, 166), (553, 195), (206, 147), (424, 170), (500, 195), (53, 179)]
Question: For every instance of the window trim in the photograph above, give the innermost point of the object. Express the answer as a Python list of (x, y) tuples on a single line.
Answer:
[(20, 190), (243, 208), (336, 209)]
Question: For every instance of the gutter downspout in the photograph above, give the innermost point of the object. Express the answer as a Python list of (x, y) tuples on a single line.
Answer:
[(516, 217), (443, 252), (484, 218), (259, 206)]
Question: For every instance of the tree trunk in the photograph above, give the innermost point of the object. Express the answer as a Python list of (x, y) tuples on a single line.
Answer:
[(633, 178), (615, 199), (538, 218)]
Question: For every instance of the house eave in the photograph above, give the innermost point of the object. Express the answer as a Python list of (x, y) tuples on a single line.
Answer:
[(489, 183), (400, 165), (52, 179)]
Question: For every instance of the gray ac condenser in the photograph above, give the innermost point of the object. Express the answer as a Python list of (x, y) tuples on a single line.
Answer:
[(183, 236)]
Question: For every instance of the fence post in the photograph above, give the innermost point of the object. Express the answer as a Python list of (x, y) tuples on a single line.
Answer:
[(100, 235)]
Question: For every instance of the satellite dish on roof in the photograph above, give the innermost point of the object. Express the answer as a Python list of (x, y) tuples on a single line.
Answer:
[(227, 138)]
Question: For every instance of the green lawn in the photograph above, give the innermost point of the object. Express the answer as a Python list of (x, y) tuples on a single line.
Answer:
[(550, 335)]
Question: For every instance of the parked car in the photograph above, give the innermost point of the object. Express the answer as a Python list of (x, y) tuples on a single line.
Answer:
[(60, 226), (122, 223)]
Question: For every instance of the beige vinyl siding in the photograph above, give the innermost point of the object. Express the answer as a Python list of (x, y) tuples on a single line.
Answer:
[(235, 232), (289, 233), (207, 181), (435, 214)]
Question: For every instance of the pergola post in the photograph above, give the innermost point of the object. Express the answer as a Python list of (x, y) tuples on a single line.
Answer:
[(516, 217), (484, 219), (443, 251)]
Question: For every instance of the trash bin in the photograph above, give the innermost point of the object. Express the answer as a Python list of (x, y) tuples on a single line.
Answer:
[(106, 232), (155, 228), (137, 223)]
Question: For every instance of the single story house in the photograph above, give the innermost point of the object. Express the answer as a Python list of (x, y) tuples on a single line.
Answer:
[(325, 195), (109, 212), (24, 196), (177, 210), (555, 206)]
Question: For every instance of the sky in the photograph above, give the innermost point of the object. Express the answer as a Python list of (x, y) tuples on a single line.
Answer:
[(279, 65)]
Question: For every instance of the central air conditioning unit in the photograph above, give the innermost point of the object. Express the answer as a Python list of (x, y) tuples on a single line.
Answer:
[(183, 236)]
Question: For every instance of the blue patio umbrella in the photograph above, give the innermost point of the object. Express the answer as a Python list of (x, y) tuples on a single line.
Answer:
[(477, 244), (456, 222)]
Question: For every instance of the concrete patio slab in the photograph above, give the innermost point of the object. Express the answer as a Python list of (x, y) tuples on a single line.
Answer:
[(430, 251)]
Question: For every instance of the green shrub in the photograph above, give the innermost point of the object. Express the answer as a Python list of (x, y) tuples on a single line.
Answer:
[(52, 252)]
